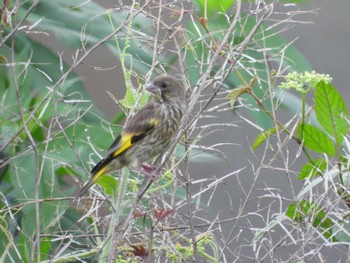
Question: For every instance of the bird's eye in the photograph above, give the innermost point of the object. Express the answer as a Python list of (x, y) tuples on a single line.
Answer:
[(164, 85)]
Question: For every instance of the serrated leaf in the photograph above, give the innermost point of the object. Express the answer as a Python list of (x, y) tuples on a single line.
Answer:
[(109, 183), (310, 170), (316, 140), (263, 137), (331, 111)]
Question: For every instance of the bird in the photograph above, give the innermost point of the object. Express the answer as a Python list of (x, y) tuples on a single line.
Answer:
[(146, 134)]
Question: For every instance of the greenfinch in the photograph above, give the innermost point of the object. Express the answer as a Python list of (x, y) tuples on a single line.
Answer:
[(148, 133)]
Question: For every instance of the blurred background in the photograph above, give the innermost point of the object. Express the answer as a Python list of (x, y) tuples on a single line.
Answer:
[(322, 35), (324, 39)]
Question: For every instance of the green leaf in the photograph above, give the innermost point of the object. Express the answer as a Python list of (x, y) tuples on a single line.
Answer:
[(197, 47), (109, 183), (211, 6), (311, 212), (331, 111), (310, 170), (22, 178), (132, 97), (45, 247), (342, 231), (44, 68), (263, 137), (293, 105), (293, 213), (95, 20), (316, 140), (236, 93), (25, 246), (34, 128)]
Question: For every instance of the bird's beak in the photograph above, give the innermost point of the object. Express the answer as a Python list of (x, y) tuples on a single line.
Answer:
[(153, 89)]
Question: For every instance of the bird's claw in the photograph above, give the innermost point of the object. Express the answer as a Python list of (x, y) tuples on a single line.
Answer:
[(152, 172)]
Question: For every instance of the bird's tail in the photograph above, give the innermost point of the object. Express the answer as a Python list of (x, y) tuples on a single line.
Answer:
[(94, 178)]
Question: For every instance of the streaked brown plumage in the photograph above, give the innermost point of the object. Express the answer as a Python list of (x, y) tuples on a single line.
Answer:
[(148, 133)]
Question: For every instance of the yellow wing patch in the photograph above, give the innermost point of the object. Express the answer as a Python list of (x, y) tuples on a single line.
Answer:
[(97, 176), (125, 143), (92, 181)]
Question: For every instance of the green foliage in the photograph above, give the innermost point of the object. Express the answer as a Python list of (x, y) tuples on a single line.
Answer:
[(311, 169), (205, 36), (311, 212), (342, 231), (109, 183), (323, 136), (304, 82), (86, 23), (132, 98), (315, 139), (331, 111), (61, 120), (53, 134), (263, 137), (209, 7)]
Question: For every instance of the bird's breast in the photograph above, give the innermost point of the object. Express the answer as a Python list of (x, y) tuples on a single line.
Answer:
[(171, 119)]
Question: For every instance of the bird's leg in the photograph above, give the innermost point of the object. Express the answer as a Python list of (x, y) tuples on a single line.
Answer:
[(151, 171)]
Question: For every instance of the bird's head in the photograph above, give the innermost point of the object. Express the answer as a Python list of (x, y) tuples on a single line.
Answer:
[(167, 88)]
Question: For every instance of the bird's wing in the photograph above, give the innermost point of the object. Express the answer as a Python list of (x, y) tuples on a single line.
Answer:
[(135, 130)]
